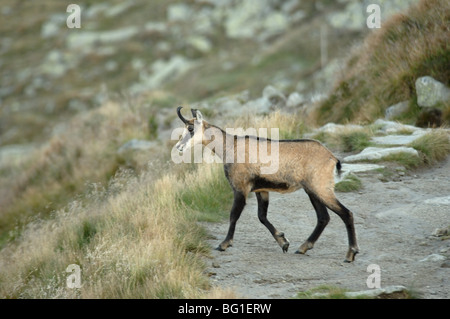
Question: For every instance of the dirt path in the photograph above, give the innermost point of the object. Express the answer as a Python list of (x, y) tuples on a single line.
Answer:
[(394, 222)]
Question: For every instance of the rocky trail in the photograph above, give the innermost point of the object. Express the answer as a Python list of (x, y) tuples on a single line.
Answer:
[(396, 223)]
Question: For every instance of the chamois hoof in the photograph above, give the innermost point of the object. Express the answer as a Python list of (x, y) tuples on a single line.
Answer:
[(224, 245), (304, 248), (282, 241), (350, 257)]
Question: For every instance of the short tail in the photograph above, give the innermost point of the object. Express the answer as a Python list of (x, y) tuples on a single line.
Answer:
[(338, 167)]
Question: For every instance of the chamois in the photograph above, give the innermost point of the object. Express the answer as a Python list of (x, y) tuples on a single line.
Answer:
[(302, 163)]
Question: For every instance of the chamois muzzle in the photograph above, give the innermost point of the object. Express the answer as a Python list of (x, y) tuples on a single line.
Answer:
[(181, 116)]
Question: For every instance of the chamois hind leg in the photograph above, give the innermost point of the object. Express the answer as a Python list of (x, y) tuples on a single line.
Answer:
[(263, 204), (236, 210), (322, 220), (347, 217)]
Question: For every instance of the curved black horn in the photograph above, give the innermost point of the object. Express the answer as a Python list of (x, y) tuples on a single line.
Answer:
[(181, 116), (194, 112)]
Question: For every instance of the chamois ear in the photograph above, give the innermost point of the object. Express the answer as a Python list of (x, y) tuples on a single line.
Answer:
[(197, 115)]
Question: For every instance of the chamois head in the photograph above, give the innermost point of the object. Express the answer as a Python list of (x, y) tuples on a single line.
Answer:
[(193, 131)]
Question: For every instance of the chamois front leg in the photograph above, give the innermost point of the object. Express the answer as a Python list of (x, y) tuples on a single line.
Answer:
[(236, 210), (263, 204)]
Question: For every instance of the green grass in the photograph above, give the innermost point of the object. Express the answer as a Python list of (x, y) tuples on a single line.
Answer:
[(86, 233), (385, 173), (152, 127), (211, 197), (323, 292), (292, 132), (404, 159), (347, 140), (355, 141), (350, 184)]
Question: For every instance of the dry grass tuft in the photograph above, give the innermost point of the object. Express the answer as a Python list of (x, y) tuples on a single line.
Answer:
[(291, 126), (130, 230), (434, 146), (140, 241)]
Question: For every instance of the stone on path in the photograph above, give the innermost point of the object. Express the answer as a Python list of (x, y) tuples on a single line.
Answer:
[(398, 139), (375, 153)]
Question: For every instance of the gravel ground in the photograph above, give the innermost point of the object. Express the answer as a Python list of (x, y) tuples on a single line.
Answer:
[(394, 221)]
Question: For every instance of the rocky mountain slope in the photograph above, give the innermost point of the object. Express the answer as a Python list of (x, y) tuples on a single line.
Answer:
[(170, 52)]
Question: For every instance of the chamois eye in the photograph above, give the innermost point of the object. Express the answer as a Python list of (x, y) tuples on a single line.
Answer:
[(190, 129)]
